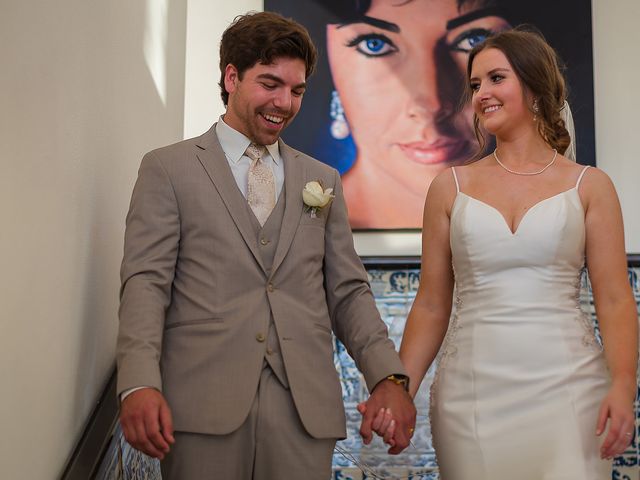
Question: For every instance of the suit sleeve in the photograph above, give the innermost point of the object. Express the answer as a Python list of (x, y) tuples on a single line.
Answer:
[(354, 315), (150, 251)]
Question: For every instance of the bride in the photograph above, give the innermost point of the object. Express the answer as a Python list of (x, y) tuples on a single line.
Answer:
[(523, 389)]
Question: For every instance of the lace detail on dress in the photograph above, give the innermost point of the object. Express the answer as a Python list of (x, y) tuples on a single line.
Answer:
[(589, 339), (449, 348)]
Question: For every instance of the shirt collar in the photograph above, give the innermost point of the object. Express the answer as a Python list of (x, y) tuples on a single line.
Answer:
[(235, 143)]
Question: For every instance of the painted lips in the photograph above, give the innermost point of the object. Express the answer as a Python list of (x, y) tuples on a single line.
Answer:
[(433, 153)]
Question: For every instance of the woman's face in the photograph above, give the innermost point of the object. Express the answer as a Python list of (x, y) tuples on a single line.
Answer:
[(499, 99), (400, 75)]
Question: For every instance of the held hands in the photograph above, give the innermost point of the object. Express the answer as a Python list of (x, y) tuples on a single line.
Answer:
[(146, 422), (390, 413), (617, 407)]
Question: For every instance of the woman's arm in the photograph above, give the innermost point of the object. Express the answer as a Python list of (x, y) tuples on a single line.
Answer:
[(429, 317), (615, 306)]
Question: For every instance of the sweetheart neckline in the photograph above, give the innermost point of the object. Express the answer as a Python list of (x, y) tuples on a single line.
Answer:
[(504, 219)]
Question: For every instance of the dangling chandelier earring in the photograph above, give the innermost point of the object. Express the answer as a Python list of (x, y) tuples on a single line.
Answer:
[(339, 125), (536, 110)]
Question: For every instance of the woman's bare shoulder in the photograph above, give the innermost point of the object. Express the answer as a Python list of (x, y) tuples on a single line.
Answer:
[(444, 184), (596, 189), (596, 182), (469, 171)]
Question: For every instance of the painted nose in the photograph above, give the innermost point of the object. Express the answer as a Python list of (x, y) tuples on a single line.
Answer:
[(431, 87), (423, 108), (424, 103)]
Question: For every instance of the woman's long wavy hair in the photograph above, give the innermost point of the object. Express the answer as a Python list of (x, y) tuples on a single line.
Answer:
[(539, 69)]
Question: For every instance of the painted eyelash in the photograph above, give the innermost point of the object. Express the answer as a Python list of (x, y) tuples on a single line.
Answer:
[(372, 36), (466, 34), (367, 36)]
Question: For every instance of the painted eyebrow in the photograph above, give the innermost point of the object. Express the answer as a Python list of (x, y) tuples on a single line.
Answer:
[(374, 22), (474, 15), (278, 80)]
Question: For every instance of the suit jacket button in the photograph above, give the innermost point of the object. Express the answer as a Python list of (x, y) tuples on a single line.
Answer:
[(260, 337), (263, 241), (270, 287)]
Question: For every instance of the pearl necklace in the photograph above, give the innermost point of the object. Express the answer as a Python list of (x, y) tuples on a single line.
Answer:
[(555, 155)]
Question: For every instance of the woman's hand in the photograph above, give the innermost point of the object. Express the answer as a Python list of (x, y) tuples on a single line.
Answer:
[(617, 409)]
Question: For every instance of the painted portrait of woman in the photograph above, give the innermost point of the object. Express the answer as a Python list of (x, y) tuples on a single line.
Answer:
[(385, 107)]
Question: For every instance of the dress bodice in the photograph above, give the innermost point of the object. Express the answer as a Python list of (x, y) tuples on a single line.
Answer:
[(537, 265)]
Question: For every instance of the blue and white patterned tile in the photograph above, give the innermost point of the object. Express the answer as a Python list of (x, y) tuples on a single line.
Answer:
[(394, 291), (134, 465)]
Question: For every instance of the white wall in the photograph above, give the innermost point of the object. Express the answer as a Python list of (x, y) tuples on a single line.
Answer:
[(86, 88), (617, 103), (206, 20)]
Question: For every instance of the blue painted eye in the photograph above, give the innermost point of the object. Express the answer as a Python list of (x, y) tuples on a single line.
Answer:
[(469, 39), (373, 45)]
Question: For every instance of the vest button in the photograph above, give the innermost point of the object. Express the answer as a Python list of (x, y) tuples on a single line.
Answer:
[(270, 287), (260, 337), (263, 241), (269, 351)]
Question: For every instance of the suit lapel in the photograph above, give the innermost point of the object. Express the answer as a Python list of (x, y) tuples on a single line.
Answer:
[(293, 178), (215, 163)]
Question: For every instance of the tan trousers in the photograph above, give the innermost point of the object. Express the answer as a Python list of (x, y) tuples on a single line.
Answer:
[(271, 444)]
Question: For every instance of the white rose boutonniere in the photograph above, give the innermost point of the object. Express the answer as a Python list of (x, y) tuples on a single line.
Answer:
[(315, 197)]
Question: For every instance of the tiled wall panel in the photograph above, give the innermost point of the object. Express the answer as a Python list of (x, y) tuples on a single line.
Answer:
[(394, 291)]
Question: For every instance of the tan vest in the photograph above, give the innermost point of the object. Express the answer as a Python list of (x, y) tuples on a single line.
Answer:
[(268, 237)]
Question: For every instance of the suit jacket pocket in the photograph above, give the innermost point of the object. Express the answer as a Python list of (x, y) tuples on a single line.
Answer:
[(323, 328), (308, 221), (194, 322)]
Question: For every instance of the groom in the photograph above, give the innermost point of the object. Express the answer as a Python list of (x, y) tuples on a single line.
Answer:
[(232, 287)]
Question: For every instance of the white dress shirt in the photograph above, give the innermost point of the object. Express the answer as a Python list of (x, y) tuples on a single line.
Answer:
[(234, 145)]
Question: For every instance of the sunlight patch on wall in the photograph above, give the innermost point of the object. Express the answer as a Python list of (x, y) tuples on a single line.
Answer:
[(155, 44)]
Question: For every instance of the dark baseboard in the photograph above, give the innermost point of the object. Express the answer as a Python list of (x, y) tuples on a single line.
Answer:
[(391, 262), (89, 451)]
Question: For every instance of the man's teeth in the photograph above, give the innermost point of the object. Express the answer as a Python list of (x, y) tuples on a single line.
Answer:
[(492, 108), (273, 118)]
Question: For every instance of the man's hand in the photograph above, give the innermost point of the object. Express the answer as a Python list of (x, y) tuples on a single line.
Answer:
[(389, 412), (146, 422)]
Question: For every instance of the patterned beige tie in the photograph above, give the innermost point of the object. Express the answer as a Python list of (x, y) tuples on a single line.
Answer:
[(261, 184)]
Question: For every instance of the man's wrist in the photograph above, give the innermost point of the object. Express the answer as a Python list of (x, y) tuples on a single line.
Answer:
[(128, 392), (399, 379)]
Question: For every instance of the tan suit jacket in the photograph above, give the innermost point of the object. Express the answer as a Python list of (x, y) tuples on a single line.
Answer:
[(196, 299)]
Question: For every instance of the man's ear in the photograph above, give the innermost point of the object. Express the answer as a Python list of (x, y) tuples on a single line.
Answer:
[(231, 78)]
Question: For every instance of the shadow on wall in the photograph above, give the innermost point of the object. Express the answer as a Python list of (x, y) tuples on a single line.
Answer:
[(139, 105)]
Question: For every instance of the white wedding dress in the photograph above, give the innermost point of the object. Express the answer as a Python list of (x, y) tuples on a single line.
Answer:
[(521, 375)]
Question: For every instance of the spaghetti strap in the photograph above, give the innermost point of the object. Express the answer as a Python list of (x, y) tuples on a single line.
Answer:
[(580, 177), (455, 177)]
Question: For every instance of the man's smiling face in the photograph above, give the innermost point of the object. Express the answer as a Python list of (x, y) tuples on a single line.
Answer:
[(266, 99)]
